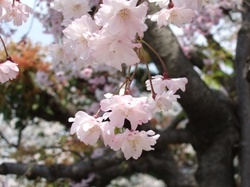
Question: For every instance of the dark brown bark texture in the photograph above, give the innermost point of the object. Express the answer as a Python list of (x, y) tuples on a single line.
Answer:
[(212, 119), (242, 80), (212, 128)]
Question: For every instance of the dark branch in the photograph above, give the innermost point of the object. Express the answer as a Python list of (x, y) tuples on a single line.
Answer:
[(60, 113), (111, 165)]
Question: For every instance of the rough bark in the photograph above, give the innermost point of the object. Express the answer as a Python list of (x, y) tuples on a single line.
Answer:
[(212, 120), (243, 91)]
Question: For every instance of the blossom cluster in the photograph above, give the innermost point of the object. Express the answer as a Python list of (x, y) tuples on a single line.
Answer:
[(18, 13), (108, 38), (208, 21), (177, 12), (111, 35), (123, 114), (14, 11)]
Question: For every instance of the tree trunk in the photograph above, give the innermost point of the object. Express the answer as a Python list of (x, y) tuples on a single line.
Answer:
[(212, 120), (242, 70)]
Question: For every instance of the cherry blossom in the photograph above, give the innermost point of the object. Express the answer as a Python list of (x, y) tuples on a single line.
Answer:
[(132, 143), (122, 17), (8, 71), (160, 84), (17, 12), (86, 127), (176, 84), (175, 15), (79, 32), (4, 5), (86, 73), (164, 102), (60, 53), (114, 52), (72, 9), (121, 107), (109, 37)]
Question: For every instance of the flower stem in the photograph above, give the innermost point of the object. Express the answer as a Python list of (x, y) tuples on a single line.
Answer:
[(5, 49), (150, 82), (157, 55)]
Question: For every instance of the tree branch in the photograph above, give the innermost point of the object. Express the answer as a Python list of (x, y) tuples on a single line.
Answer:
[(112, 165), (60, 113)]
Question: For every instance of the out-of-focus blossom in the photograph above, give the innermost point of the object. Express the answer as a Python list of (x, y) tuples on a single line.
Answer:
[(8, 71)]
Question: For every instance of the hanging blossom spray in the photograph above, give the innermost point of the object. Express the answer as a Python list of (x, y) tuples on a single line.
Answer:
[(18, 13), (112, 35)]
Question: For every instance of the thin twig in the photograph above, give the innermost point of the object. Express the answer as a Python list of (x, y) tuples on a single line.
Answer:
[(5, 49), (7, 141)]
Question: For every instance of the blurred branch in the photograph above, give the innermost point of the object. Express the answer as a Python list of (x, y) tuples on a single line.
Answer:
[(19, 138), (60, 113), (111, 165), (64, 150)]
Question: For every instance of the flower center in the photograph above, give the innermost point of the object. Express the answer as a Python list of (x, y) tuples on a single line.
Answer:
[(123, 14), (77, 7)]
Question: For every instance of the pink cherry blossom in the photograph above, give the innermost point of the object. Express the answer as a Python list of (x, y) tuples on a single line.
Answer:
[(86, 73), (114, 52), (163, 102), (86, 127), (176, 84), (108, 133), (8, 71), (175, 15), (122, 17), (4, 5), (158, 84), (60, 53), (18, 13), (72, 9), (132, 143), (79, 32), (121, 107)]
